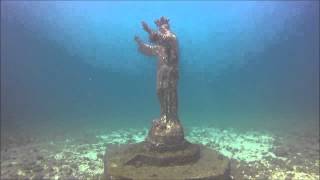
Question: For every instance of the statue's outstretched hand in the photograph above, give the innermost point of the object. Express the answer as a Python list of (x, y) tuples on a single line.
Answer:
[(146, 27), (137, 39)]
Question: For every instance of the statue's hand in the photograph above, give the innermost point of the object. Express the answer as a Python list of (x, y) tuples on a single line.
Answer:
[(146, 27), (137, 39), (154, 37)]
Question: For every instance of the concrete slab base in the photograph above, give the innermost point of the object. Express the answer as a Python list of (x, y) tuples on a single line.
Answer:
[(132, 162)]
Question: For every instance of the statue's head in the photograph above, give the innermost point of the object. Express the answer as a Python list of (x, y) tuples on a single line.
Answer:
[(163, 24)]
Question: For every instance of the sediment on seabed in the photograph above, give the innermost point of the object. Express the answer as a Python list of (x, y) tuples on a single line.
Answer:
[(253, 154)]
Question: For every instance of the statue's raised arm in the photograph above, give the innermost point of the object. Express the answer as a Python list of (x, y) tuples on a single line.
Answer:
[(146, 49)]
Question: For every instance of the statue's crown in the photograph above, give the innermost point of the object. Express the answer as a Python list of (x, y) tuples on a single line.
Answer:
[(161, 21)]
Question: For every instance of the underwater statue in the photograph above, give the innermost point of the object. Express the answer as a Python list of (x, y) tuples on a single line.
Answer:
[(164, 45), (165, 153)]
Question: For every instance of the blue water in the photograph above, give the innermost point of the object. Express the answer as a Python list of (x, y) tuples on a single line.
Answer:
[(244, 64)]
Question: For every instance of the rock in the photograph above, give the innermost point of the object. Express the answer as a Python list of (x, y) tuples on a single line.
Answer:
[(281, 151), (38, 176), (70, 177), (37, 168), (100, 156), (39, 157), (74, 166), (67, 171)]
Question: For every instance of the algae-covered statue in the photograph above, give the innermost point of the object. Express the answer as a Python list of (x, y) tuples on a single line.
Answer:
[(166, 130), (165, 153)]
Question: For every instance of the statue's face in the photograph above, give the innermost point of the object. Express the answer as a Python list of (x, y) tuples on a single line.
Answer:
[(164, 28)]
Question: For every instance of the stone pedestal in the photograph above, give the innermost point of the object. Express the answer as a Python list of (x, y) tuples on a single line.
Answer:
[(136, 162)]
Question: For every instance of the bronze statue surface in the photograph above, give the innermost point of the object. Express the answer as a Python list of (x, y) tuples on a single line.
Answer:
[(166, 130)]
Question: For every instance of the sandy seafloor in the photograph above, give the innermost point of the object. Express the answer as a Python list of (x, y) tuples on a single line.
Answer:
[(253, 154)]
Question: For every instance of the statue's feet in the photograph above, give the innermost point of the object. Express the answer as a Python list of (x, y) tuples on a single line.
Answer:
[(166, 134)]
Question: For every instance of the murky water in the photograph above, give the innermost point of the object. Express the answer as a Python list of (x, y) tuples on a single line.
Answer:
[(73, 81)]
